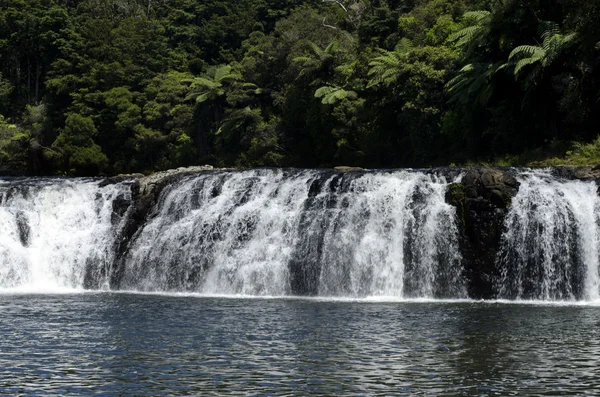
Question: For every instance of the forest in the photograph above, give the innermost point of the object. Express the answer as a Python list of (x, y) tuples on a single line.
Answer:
[(99, 87)]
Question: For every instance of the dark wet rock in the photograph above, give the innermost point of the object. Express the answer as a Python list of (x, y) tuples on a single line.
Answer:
[(577, 173), (343, 168), (24, 229), (146, 190), (120, 206), (120, 178), (482, 199)]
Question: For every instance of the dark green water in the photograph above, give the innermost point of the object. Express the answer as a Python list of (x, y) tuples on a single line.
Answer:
[(152, 345)]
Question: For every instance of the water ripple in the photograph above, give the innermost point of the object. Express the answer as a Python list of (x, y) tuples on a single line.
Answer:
[(155, 345)]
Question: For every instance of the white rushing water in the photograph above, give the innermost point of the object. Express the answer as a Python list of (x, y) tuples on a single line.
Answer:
[(550, 247), (275, 232), (388, 235), (55, 233)]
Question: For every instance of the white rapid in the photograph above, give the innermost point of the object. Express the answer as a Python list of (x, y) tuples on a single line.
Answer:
[(58, 234), (282, 232), (550, 248)]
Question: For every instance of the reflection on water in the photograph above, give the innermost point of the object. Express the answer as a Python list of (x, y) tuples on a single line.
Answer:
[(135, 345)]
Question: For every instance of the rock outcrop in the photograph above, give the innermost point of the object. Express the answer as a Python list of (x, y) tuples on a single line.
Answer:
[(482, 200), (146, 190)]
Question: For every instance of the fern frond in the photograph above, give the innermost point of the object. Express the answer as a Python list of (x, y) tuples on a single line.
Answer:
[(465, 35), (524, 51), (476, 16), (548, 29), (204, 83), (323, 91), (331, 48), (524, 62), (222, 71), (316, 49), (404, 46), (202, 97)]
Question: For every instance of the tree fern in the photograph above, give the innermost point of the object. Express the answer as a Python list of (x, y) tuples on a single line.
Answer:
[(388, 65), (473, 82), (553, 44), (317, 59), (207, 88), (477, 21), (331, 95)]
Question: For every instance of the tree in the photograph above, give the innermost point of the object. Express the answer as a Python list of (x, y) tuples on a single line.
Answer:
[(210, 88), (75, 149), (387, 67), (317, 63), (473, 81), (538, 57)]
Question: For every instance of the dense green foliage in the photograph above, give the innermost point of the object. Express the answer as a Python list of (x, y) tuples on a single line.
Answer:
[(107, 86)]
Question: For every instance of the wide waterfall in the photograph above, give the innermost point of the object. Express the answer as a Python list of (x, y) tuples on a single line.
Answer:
[(289, 232), (282, 232), (550, 248), (59, 234)]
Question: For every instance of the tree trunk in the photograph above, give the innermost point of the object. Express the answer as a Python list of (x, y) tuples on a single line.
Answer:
[(18, 73), (38, 73), (201, 139), (28, 80)]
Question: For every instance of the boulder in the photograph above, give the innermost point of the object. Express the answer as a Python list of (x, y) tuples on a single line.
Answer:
[(147, 189)]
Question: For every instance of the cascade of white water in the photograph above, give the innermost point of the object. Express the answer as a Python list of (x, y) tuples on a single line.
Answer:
[(222, 233), (550, 248), (56, 233), (392, 235), (253, 232)]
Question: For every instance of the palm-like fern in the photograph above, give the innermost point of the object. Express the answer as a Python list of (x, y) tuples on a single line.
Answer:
[(317, 59), (331, 94), (388, 65), (553, 44), (237, 120), (210, 88), (473, 81), (477, 23)]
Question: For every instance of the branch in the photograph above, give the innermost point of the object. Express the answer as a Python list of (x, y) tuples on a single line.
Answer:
[(338, 2), (329, 26)]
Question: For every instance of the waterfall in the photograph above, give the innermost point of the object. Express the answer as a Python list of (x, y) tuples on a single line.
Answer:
[(387, 234), (59, 234), (282, 232), (550, 247), (285, 232)]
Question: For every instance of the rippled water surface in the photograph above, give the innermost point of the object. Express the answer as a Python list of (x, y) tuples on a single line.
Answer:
[(151, 345)]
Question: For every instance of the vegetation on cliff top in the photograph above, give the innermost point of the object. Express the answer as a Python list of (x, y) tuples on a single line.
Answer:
[(90, 87)]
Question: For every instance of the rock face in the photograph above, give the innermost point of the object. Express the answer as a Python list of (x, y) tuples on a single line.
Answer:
[(147, 189), (482, 199)]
